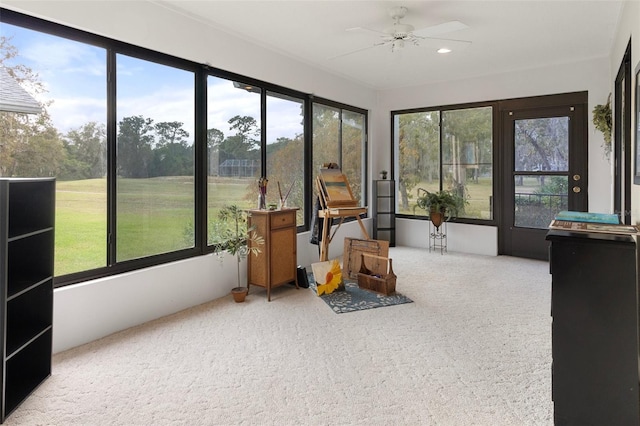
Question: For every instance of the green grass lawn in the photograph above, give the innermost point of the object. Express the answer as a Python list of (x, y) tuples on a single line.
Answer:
[(156, 215), (81, 225), (153, 217)]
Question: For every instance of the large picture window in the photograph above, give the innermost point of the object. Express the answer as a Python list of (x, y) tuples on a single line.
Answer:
[(233, 148), (147, 147), (450, 149), (339, 136), (353, 143), (326, 136), (467, 158), (65, 139), (285, 151), (417, 136), (154, 159)]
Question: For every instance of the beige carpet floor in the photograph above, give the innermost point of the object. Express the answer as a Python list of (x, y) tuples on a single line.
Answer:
[(473, 349)]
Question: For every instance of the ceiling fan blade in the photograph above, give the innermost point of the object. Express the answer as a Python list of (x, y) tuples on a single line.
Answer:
[(368, 30), (448, 40), (382, 43), (444, 28)]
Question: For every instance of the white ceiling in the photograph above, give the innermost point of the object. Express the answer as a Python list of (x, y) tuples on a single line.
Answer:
[(506, 35)]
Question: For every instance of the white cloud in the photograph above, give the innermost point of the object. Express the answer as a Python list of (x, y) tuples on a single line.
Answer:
[(72, 113), (74, 76), (60, 56)]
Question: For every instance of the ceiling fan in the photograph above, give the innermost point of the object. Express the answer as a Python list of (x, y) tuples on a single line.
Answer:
[(398, 34)]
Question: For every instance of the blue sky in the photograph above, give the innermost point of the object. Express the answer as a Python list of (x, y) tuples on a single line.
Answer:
[(74, 75)]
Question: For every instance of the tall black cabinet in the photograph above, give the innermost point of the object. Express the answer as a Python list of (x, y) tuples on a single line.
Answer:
[(384, 216), (26, 287), (595, 328)]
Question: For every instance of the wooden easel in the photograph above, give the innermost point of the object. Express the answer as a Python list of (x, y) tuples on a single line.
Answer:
[(336, 201)]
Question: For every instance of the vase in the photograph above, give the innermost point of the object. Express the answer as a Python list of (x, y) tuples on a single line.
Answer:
[(436, 218), (239, 294), (262, 202)]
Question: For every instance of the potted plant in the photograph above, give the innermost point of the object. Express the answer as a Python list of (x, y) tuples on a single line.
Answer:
[(383, 174), (441, 205), (602, 122), (232, 235)]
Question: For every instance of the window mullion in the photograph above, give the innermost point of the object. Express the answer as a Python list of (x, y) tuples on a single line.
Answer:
[(111, 157)]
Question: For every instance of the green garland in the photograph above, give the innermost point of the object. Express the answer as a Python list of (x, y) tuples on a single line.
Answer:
[(602, 121)]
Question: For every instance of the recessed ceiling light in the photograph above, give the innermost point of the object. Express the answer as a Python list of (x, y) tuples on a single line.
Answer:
[(444, 50)]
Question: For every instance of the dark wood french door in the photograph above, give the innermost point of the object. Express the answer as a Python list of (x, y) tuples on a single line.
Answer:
[(544, 163), (622, 140)]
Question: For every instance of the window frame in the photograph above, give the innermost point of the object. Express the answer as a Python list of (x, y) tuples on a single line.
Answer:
[(341, 107), (201, 72), (495, 127)]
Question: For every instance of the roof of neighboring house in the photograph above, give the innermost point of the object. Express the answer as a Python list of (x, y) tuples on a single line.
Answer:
[(14, 98)]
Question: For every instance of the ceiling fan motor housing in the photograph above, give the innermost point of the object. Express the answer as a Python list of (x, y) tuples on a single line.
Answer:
[(397, 12), (399, 31)]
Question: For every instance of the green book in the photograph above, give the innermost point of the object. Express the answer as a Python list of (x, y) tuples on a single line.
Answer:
[(588, 217)]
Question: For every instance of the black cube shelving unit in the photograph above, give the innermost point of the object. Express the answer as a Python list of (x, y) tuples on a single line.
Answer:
[(27, 221)]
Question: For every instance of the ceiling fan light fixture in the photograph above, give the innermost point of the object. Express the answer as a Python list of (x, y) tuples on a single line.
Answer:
[(444, 50), (397, 45)]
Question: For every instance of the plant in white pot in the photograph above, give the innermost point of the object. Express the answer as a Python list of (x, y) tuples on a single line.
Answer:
[(232, 235)]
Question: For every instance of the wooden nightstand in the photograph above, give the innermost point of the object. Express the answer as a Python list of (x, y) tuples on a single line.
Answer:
[(276, 264)]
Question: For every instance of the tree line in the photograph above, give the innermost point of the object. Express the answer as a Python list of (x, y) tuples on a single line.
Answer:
[(32, 146)]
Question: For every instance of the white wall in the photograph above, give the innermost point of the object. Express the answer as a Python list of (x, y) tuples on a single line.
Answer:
[(87, 311), (461, 237)]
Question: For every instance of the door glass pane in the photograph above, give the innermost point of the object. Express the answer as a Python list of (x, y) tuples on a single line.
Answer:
[(155, 201), (542, 144), (538, 198)]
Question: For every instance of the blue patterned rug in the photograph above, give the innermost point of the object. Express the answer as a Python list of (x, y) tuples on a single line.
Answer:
[(356, 299)]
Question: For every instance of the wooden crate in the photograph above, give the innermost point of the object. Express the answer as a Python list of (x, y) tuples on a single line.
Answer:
[(378, 279), (353, 248)]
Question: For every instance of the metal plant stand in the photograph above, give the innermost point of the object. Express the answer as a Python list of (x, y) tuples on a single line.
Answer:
[(438, 237)]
